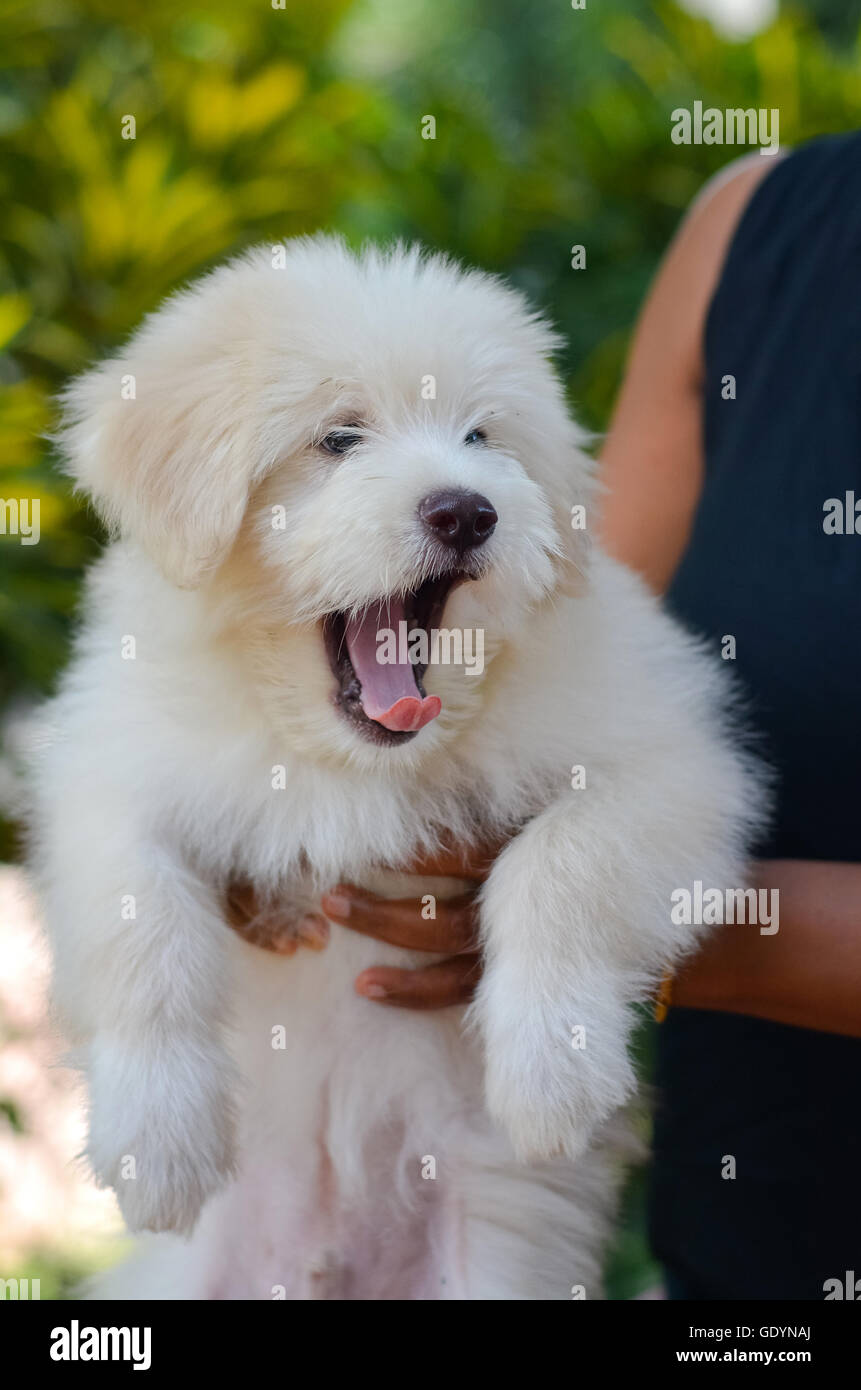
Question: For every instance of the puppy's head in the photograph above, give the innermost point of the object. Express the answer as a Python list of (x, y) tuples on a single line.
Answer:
[(341, 451)]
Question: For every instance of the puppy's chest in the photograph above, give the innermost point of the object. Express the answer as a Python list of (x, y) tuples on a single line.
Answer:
[(296, 852)]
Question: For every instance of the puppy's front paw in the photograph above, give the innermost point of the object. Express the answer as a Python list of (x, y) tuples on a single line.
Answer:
[(163, 1150), (547, 1090), (546, 1115), (164, 1187)]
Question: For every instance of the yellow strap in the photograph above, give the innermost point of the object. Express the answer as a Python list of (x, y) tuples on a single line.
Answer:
[(664, 997)]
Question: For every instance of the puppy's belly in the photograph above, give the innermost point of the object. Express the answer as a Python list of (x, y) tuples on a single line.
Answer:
[(352, 1115), (285, 1231)]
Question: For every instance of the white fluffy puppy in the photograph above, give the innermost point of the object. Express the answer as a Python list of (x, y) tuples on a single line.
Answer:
[(295, 454)]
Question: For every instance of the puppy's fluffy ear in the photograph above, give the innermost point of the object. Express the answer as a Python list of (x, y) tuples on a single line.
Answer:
[(163, 437)]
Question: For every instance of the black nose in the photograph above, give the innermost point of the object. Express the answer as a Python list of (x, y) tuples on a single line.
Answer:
[(462, 520)]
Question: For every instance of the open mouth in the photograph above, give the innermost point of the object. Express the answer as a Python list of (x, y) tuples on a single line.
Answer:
[(385, 700)]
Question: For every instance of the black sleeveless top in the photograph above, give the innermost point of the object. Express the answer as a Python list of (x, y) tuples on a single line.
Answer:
[(762, 567)]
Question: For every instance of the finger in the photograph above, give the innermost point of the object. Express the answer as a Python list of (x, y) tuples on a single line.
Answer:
[(399, 921), (438, 986), (283, 935), (458, 861), (241, 904), (258, 933), (313, 931)]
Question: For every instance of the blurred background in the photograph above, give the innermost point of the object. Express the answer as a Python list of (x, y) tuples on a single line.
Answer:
[(255, 123)]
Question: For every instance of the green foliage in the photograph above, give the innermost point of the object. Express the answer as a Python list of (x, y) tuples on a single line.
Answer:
[(61, 1274)]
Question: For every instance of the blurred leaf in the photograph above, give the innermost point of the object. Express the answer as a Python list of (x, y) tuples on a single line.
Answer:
[(9, 1109), (14, 313)]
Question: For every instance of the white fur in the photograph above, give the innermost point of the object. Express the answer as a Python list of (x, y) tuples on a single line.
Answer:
[(299, 1169)]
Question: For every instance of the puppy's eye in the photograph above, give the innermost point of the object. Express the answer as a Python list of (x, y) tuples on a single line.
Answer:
[(476, 437), (340, 441)]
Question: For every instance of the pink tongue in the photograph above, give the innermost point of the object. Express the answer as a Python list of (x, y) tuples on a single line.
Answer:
[(389, 692)]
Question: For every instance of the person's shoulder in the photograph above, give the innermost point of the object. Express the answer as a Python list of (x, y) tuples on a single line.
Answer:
[(699, 249), (734, 184), (716, 211)]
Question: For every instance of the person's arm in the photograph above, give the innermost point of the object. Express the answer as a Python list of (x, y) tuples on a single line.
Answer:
[(809, 972), (651, 463)]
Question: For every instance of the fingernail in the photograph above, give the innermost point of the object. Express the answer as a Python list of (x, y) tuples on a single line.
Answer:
[(314, 931), (370, 990), (336, 905)]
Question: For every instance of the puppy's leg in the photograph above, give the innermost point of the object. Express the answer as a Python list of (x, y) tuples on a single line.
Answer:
[(577, 924), (139, 956)]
